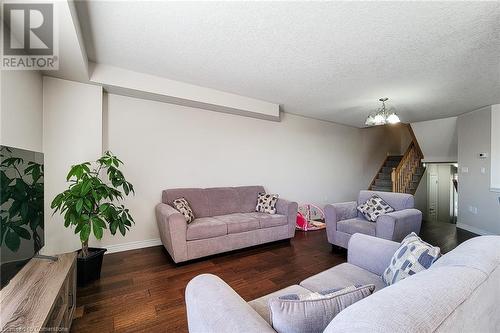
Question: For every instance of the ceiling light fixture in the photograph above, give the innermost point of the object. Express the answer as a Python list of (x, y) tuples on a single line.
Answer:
[(383, 115)]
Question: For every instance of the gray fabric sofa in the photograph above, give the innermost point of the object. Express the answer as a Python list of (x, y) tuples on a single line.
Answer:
[(343, 219), (225, 220), (459, 293)]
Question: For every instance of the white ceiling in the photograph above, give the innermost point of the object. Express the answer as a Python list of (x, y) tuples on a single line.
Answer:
[(326, 60)]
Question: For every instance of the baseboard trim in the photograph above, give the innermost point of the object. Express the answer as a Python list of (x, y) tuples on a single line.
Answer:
[(473, 229), (132, 245)]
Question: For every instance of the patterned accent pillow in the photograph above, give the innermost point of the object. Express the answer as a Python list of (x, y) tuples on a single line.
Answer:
[(182, 205), (312, 312), (266, 203), (413, 255), (374, 207)]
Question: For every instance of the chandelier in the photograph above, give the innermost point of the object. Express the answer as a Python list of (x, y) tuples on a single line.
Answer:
[(382, 116)]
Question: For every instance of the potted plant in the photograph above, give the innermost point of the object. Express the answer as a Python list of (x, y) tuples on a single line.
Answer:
[(91, 205), (21, 200)]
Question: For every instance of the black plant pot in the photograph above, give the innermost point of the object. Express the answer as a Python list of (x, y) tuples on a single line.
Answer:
[(89, 269)]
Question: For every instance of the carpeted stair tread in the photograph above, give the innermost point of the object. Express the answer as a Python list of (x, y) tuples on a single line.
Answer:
[(382, 188), (382, 175), (383, 182), (395, 157)]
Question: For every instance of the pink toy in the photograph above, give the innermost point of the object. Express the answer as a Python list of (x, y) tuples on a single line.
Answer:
[(302, 223), (307, 216)]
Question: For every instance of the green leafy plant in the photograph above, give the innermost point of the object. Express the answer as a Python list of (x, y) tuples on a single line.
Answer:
[(21, 200), (91, 204)]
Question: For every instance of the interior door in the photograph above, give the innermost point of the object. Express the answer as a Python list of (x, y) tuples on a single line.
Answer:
[(433, 197)]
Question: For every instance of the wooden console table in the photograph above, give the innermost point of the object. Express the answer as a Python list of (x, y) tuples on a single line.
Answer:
[(41, 297)]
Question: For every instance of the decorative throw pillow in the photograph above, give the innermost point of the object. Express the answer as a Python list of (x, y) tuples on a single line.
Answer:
[(182, 205), (312, 312), (266, 203), (413, 255), (374, 207)]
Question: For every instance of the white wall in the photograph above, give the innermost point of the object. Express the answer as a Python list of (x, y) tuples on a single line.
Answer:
[(437, 139), (165, 146), (72, 134), (145, 86), (474, 134), (21, 109)]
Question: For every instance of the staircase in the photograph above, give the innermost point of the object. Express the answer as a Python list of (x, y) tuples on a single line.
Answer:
[(383, 181), (400, 173)]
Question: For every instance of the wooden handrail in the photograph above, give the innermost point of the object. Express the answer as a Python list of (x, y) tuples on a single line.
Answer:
[(405, 156), (402, 175)]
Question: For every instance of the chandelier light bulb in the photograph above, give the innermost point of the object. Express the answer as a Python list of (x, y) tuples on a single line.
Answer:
[(393, 119), (370, 121), (379, 119)]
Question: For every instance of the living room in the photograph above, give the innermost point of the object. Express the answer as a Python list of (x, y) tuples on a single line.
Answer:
[(235, 150)]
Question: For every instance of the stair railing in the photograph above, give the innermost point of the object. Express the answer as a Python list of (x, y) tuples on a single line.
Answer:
[(402, 175)]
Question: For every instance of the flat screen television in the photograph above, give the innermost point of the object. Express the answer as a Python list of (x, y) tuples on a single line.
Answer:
[(21, 211)]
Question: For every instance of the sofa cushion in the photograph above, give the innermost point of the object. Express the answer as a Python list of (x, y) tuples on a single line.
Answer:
[(205, 227), (270, 220), (413, 256), (222, 200), (352, 226), (261, 305), (248, 197), (312, 312), (342, 276), (239, 222), (195, 196)]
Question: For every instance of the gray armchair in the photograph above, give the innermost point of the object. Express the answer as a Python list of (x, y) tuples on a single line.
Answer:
[(343, 219)]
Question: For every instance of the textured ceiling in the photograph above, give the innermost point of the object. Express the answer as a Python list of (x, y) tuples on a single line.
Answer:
[(326, 60)]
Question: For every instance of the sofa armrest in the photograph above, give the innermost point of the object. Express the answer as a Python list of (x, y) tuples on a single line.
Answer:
[(397, 225), (213, 306), (370, 253), (172, 226), (337, 212), (288, 208)]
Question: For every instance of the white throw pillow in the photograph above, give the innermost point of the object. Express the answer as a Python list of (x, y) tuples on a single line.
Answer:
[(266, 203)]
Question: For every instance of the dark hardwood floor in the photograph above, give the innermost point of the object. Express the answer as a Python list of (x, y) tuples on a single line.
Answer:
[(143, 291), (445, 235)]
